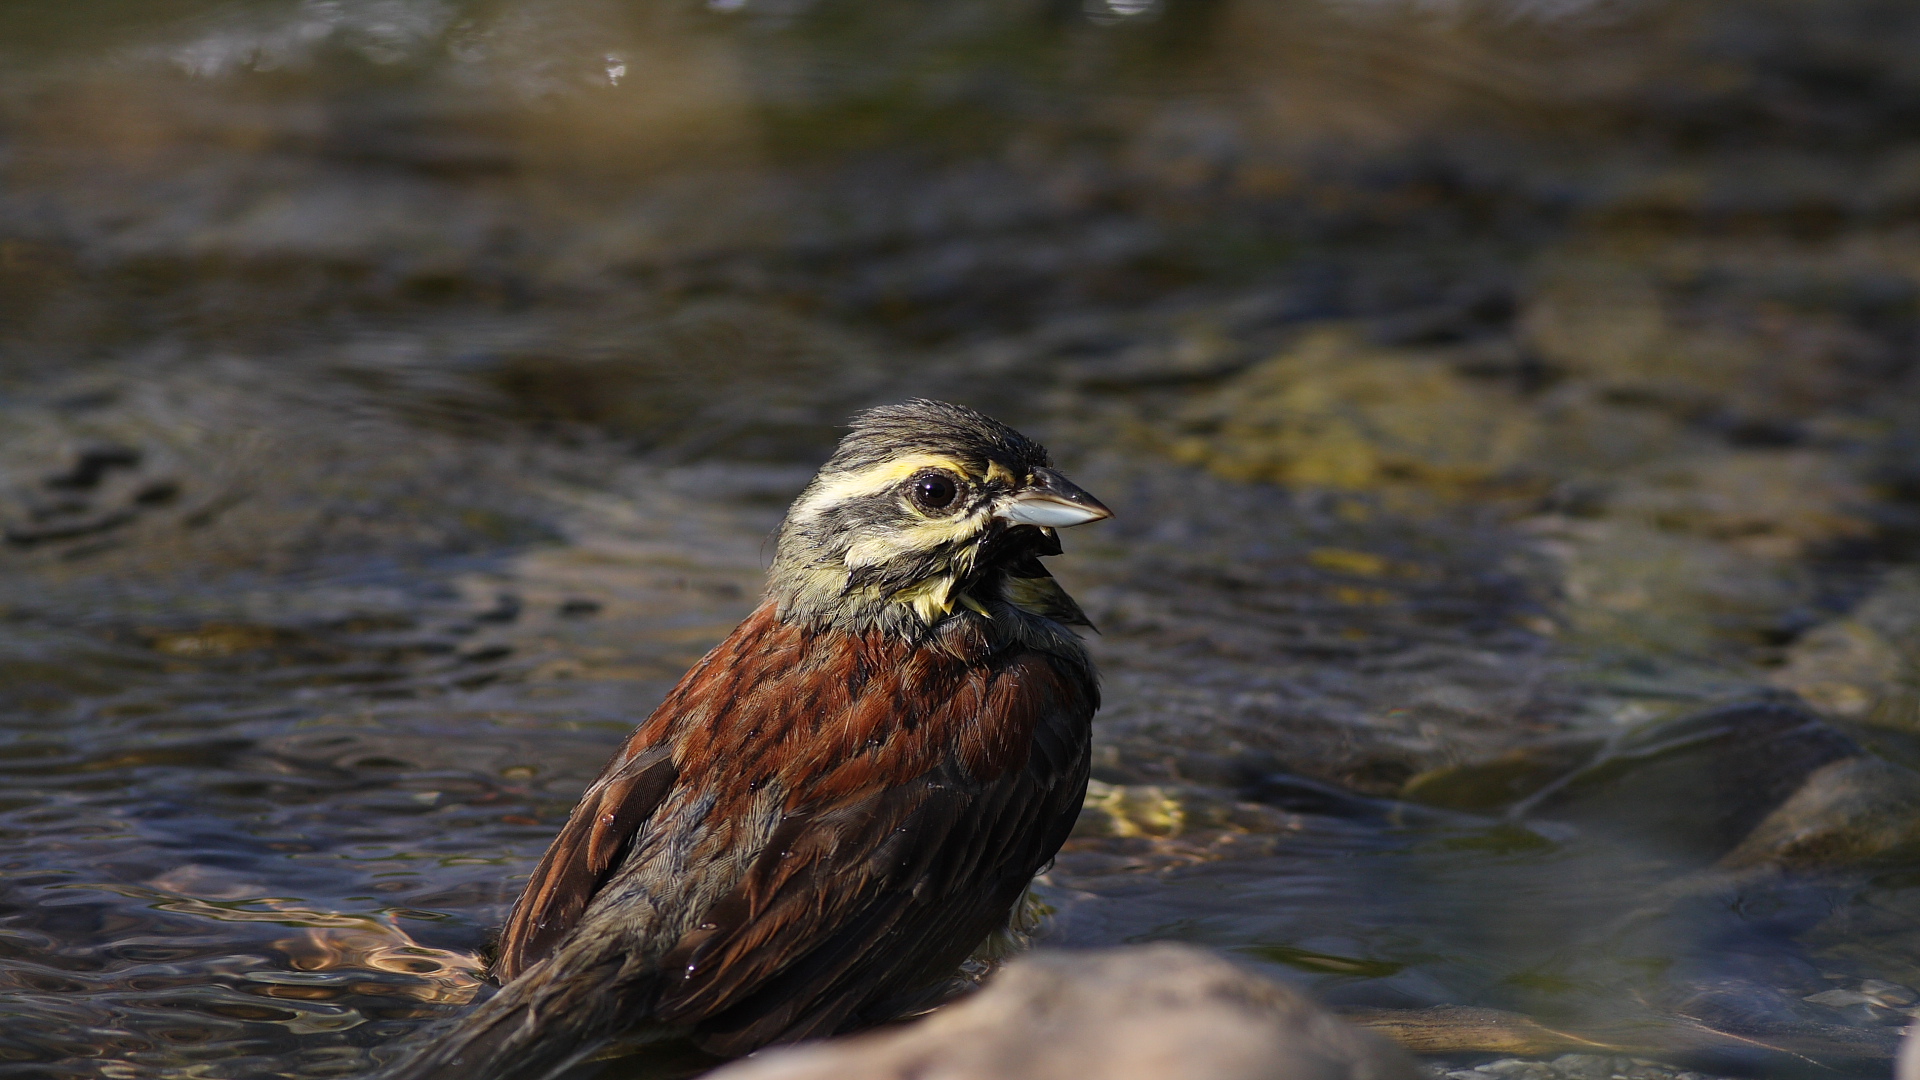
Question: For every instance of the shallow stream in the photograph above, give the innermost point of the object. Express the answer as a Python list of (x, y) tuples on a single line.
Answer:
[(1509, 409)]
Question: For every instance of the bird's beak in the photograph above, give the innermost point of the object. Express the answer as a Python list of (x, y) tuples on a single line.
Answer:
[(1051, 501)]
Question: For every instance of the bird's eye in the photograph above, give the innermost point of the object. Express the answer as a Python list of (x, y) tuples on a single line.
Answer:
[(934, 491)]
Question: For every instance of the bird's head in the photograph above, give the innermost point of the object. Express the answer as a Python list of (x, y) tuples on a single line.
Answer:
[(925, 509)]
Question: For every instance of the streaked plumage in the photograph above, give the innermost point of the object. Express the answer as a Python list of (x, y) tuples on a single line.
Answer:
[(843, 798)]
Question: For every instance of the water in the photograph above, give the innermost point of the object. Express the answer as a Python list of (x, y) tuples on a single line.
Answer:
[(397, 395)]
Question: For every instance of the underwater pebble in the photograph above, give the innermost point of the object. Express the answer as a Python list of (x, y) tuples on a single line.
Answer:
[(1575, 1067), (1517, 1069), (1890, 994), (1867, 1013), (1839, 999)]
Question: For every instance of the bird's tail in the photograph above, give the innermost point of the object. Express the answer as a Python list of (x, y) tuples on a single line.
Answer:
[(535, 1028)]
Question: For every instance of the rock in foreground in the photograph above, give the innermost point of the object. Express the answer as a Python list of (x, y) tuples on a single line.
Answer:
[(1160, 1012)]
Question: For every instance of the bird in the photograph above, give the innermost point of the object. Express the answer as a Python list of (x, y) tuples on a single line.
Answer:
[(844, 798)]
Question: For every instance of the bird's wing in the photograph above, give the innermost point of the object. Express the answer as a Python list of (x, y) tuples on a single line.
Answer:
[(616, 807), (585, 854)]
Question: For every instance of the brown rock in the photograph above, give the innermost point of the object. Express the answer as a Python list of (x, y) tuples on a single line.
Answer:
[(1468, 1029), (1849, 811), (1847, 667), (1158, 1012)]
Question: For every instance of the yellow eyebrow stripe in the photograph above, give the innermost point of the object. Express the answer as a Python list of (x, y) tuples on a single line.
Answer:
[(869, 481)]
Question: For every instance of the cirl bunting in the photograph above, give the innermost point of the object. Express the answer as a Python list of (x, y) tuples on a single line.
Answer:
[(845, 797)]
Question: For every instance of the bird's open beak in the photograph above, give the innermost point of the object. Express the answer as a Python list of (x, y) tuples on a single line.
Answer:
[(1051, 501)]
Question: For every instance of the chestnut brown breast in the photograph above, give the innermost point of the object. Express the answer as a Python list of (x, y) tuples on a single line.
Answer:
[(905, 794)]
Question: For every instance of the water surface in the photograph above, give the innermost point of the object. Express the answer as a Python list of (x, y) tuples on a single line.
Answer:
[(397, 395)]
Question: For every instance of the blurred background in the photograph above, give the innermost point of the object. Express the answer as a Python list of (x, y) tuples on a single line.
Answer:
[(1510, 408)]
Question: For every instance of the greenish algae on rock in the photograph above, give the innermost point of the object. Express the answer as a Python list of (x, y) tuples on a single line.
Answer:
[(1333, 412)]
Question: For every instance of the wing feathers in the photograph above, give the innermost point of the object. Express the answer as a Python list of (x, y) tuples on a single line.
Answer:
[(582, 858), (627, 799)]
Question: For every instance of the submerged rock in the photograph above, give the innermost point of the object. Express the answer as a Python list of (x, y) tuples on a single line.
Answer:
[(1696, 786), (1576, 1067), (1161, 1012), (1847, 812), (1757, 784), (1862, 666), (1133, 810), (1502, 780), (1467, 1029), (1760, 784), (1333, 412)]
